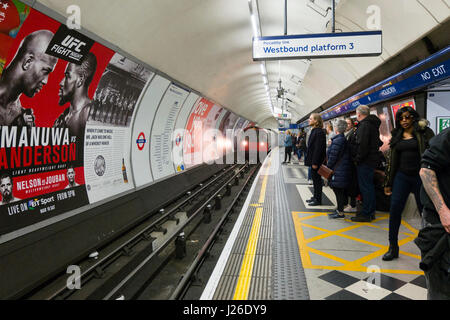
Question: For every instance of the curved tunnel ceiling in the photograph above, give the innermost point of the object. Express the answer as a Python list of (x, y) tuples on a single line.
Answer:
[(207, 44)]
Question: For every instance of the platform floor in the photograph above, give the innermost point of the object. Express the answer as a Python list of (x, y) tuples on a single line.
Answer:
[(282, 249)]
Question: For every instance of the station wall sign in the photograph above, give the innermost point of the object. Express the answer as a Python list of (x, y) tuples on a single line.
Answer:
[(442, 124), (323, 45)]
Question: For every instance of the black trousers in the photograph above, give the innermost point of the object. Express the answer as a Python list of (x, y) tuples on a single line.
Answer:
[(317, 184), (402, 187), (341, 198), (287, 151)]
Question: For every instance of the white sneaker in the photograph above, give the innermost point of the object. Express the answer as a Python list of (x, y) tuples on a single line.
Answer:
[(349, 208), (310, 182)]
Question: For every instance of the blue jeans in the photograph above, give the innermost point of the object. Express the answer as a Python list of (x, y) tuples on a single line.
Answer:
[(299, 154), (367, 188), (403, 185)]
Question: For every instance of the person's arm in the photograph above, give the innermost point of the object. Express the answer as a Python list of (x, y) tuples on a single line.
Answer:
[(431, 186)]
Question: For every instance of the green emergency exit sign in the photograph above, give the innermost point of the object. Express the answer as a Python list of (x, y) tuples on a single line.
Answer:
[(442, 123)]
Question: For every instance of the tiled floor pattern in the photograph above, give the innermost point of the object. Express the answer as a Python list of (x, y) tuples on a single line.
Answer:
[(374, 287)]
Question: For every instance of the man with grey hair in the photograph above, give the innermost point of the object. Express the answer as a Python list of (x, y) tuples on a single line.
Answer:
[(27, 73), (366, 156), (341, 127)]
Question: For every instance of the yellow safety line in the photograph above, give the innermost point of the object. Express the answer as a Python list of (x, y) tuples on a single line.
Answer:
[(262, 194), (245, 274), (243, 285)]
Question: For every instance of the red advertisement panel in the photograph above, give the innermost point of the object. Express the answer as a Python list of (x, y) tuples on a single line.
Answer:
[(193, 140), (395, 107), (47, 85)]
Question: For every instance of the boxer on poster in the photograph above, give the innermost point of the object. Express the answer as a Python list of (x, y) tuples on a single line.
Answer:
[(6, 189), (27, 73), (74, 89), (71, 178)]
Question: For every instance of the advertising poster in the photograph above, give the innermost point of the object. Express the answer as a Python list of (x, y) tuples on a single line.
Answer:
[(228, 123), (46, 91), (178, 133), (163, 126), (385, 127), (239, 125), (12, 15), (395, 107), (142, 125), (193, 139), (108, 132), (210, 134), (226, 128)]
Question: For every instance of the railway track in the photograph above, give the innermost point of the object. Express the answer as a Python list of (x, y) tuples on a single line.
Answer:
[(131, 265)]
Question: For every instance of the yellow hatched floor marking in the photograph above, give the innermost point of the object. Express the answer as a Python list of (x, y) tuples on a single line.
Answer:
[(356, 265)]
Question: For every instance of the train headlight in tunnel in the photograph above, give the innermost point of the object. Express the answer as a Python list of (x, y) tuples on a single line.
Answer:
[(244, 143)]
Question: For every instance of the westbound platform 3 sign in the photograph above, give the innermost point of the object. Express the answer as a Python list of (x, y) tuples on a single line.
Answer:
[(324, 45)]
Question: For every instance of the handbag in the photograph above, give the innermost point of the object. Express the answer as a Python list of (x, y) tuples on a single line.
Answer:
[(326, 172)]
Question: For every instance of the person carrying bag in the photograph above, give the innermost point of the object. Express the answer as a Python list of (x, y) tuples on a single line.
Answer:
[(338, 168)]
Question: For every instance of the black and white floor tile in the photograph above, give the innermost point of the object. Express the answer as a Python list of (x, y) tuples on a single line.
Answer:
[(384, 288)]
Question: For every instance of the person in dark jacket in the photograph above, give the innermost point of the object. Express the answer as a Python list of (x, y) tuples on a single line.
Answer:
[(287, 146), (352, 190), (435, 197), (300, 144), (409, 141), (367, 156), (315, 156), (340, 162)]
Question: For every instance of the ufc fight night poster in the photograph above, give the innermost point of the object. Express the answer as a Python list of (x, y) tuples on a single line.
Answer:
[(47, 88)]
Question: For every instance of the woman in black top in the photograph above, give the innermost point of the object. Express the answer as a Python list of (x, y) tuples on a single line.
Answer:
[(409, 141), (315, 156)]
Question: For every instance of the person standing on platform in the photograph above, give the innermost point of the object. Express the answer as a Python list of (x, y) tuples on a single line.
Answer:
[(352, 190), (301, 144), (315, 156), (367, 153), (307, 136), (410, 139), (434, 238), (287, 146), (339, 161), (330, 133)]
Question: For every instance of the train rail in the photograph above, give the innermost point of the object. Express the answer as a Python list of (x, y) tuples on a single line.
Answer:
[(126, 267)]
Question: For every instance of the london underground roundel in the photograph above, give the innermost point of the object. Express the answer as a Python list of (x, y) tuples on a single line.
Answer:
[(141, 141)]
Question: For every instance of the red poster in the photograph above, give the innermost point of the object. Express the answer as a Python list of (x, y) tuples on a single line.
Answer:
[(47, 89), (193, 139), (397, 106)]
